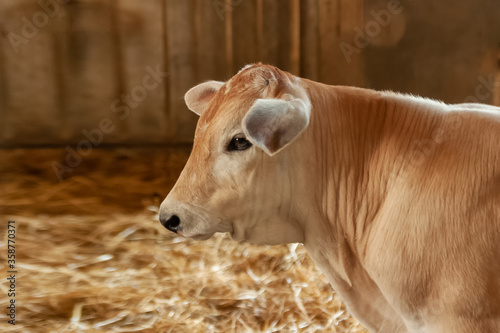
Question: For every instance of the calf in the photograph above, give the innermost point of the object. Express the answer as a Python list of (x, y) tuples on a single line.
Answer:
[(395, 197)]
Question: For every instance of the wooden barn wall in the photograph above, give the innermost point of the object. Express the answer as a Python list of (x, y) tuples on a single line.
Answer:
[(435, 49), (80, 66)]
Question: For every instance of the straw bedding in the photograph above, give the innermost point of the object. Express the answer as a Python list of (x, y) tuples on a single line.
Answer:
[(91, 256)]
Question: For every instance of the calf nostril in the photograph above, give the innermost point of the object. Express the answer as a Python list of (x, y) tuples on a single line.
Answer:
[(172, 223)]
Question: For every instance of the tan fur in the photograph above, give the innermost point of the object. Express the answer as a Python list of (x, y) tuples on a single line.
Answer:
[(396, 198)]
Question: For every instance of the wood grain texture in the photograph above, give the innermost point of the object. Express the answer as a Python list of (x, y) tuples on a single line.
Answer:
[(244, 35), (276, 38), (139, 32), (445, 53), (92, 56), (295, 26), (30, 94), (309, 39), (88, 57), (182, 75), (329, 40), (337, 22), (496, 94), (3, 83), (210, 42), (351, 17)]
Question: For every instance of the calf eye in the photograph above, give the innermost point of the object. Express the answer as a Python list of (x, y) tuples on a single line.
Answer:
[(239, 143)]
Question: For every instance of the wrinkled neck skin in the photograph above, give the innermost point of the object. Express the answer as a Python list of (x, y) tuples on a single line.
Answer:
[(347, 172), (284, 226), (344, 140)]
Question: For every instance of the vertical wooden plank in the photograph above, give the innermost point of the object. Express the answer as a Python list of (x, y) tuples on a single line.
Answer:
[(279, 33), (210, 33), (228, 28), (166, 65), (3, 95), (427, 62), (261, 45), (30, 110), (338, 20), (276, 43), (181, 50), (244, 37), (329, 25), (62, 99), (309, 39), (140, 33), (295, 37), (266, 30), (88, 65), (351, 17), (122, 121), (496, 89)]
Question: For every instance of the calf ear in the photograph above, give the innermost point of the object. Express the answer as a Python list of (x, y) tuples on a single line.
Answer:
[(198, 97), (272, 124)]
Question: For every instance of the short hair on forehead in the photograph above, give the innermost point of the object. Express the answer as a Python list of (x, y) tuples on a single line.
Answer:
[(249, 83), (255, 75)]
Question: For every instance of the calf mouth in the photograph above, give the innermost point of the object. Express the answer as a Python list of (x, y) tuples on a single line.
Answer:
[(202, 237)]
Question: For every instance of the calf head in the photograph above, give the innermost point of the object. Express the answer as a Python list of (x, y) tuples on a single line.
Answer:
[(239, 176)]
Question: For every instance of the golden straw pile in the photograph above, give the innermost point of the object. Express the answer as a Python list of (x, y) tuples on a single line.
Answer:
[(91, 257)]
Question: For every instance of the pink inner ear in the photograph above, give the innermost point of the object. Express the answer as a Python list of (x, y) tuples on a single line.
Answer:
[(273, 143), (207, 95), (197, 98)]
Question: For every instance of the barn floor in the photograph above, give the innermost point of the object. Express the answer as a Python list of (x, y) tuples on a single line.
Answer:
[(91, 256)]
